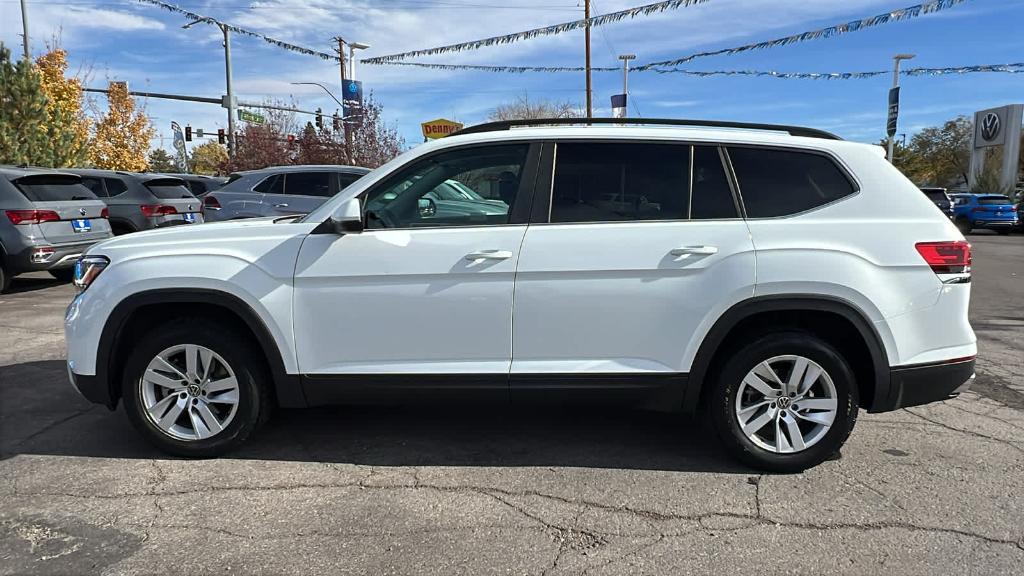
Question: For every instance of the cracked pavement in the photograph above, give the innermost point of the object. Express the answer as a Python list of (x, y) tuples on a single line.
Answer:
[(935, 489)]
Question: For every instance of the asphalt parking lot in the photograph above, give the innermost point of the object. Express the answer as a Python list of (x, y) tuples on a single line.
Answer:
[(928, 490)]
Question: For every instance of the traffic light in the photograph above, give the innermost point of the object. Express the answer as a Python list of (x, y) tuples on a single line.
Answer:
[(220, 135), (336, 121), (319, 119), (291, 139), (188, 133)]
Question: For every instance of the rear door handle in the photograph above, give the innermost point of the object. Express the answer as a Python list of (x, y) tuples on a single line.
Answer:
[(489, 255), (280, 205), (702, 250)]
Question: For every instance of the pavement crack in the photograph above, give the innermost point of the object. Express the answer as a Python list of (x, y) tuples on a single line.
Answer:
[(962, 431)]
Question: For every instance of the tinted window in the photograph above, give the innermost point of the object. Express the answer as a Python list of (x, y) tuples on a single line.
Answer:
[(936, 196), (168, 189), (627, 181), (993, 200), (346, 179), (46, 188), (308, 184), (779, 183), (468, 187), (115, 186), (95, 185), (271, 185), (197, 187)]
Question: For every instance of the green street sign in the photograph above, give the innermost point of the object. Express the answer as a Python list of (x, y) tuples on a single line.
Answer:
[(253, 117)]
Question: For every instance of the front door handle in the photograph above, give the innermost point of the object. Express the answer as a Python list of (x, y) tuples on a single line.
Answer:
[(701, 250), (280, 205), (489, 255)]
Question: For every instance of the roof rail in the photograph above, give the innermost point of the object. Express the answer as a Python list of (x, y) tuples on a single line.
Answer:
[(509, 124)]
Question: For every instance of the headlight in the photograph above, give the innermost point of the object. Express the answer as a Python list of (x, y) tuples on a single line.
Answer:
[(87, 269)]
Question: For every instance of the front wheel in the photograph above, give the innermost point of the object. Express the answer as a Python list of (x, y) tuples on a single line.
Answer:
[(785, 402), (194, 388), (1003, 231)]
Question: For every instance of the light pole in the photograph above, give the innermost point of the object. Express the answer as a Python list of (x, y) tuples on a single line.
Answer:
[(229, 102), (625, 79), (895, 87), (586, 34), (24, 29), (329, 93), (352, 47)]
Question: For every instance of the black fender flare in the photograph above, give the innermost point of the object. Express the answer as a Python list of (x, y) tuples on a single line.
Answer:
[(286, 386), (794, 303)]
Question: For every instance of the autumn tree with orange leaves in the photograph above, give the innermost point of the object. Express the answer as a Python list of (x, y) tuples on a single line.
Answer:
[(122, 135), (67, 128)]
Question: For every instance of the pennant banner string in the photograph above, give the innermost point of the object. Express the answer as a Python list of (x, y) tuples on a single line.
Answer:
[(208, 20), (601, 20), (1016, 68), (837, 30)]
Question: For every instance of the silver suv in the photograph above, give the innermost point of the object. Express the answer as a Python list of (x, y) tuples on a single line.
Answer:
[(278, 191), (143, 201), (47, 220)]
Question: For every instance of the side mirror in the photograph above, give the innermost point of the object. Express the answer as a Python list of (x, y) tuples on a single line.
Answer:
[(347, 218), (427, 207)]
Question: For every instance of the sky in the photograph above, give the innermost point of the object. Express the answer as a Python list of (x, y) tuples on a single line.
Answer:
[(146, 46)]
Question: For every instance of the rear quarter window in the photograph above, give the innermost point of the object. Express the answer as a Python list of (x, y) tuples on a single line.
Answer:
[(55, 188), (776, 183)]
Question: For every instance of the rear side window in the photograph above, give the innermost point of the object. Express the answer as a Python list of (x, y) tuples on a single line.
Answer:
[(308, 184), (597, 182), (168, 189), (115, 186), (95, 185), (993, 200), (53, 188), (782, 182)]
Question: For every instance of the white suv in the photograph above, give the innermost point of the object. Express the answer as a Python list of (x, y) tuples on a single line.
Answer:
[(775, 278)]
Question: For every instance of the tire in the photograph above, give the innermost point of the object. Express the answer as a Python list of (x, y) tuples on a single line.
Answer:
[(63, 274), (764, 450), (5, 279), (964, 226), (1003, 231), (232, 353)]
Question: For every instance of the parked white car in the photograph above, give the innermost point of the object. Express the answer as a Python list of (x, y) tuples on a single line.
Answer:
[(743, 271)]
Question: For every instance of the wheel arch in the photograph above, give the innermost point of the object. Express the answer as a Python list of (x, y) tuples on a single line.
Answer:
[(119, 331), (798, 311)]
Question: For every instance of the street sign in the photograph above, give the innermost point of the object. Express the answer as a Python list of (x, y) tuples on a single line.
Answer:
[(251, 117), (353, 115), (199, 132), (439, 128), (353, 93), (894, 111)]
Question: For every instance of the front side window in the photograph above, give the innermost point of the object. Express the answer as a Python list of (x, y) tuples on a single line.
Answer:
[(271, 185), (610, 182), (784, 182), (308, 184), (115, 186), (468, 187)]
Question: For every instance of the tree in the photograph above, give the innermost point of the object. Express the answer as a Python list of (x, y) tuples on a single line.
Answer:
[(208, 158), (160, 161), (262, 145), (23, 113), (525, 109), (373, 142), (67, 128), (941, 155), (123, 134)]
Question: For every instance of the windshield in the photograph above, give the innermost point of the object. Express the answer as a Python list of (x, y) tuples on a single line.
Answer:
[(936, 195), (53, 188), (993, 200)]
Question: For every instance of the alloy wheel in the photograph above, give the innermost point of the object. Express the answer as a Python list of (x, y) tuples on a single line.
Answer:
[(189, 392), (786, 404)]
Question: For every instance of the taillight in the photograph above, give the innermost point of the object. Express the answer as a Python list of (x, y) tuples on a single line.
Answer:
[(105, 213), (211, 203), (150, 210), (946, 257), (32, 216)]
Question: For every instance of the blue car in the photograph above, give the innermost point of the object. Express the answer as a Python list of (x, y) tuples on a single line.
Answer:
[(984, 211)]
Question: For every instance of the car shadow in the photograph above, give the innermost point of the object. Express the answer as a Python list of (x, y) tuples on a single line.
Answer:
[(21, 284), (40, 414)]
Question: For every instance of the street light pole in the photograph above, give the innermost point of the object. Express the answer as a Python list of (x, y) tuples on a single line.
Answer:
[(586, 14), (230, 92), (341, 73), (352, 47), (625, 75), (896, 84), (24, 30)]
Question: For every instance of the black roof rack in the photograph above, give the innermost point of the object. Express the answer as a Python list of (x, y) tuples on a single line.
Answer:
[(509, 124)]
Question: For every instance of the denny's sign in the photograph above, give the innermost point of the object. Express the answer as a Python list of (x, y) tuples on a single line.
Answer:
[(439, 128)]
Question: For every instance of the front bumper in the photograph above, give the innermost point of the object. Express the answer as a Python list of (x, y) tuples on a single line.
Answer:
[(92, 388), (925, 383)]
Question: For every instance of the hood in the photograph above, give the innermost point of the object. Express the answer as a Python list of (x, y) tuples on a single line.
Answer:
[(217, 237)]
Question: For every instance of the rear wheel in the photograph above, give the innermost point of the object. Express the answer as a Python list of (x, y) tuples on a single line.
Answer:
[(964, 226), (1003, 231), (194, 388), (785, 402), (5, 279), (63, 274)]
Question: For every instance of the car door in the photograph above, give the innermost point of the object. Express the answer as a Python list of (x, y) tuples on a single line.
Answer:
[(643, 244), (417, 292)]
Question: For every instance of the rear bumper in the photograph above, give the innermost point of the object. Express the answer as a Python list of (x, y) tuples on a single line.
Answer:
[(48, 257), (925, 383)]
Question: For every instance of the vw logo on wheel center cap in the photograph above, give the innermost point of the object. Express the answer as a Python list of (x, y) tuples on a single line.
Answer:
[(784, 402), (193, 390)]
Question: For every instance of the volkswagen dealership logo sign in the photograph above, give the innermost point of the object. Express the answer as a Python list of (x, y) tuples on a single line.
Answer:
[(990, 126)]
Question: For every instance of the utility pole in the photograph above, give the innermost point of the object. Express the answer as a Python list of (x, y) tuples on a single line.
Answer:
[(345, 127), (590, 99), (230, 92), (24, 30), (891, 128)]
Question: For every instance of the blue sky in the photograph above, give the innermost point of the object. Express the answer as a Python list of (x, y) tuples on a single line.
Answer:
[(126, 40)]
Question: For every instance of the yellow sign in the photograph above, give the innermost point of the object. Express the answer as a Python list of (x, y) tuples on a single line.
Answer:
[(439, 128)]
